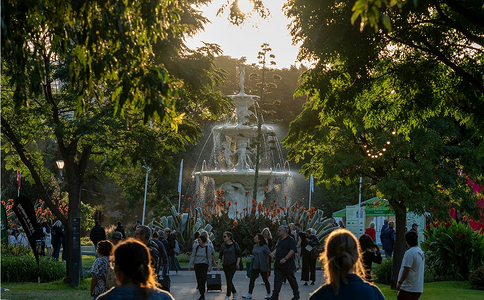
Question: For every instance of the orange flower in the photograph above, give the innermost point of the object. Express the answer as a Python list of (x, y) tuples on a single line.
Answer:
[(236, 212), (196, 195), (253, 209), (189, 199), (229, 203), (222, 191), (235, 202), (285, 197), (267, 188), (283, 208), (187, 210), (275, 204), (278, 210), (235, 223)]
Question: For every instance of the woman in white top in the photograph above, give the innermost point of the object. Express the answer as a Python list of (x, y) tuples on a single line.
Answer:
[(47, 238), (22, 238)]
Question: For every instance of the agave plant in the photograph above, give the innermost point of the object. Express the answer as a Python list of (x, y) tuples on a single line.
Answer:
[(183, 226)]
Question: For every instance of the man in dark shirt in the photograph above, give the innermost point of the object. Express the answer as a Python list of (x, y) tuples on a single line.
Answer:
[(284, 263), (120, 228), (143, 234), (97, 234)]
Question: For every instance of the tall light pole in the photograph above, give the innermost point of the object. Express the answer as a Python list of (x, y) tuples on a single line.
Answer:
[(148, 169)]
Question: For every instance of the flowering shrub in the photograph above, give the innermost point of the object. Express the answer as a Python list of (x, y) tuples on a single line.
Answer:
[(453, 249), (218, 215)]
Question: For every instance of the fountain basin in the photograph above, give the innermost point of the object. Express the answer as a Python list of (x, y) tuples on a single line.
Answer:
[(245, 177)]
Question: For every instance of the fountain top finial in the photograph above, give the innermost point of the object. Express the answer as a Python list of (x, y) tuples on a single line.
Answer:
[(241, 78)]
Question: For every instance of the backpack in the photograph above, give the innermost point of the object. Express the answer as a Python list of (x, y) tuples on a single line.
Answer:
[(110, 278)]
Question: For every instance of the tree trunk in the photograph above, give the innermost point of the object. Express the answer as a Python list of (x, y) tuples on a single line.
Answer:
[(75, 178), (73, 242), (399, 248)]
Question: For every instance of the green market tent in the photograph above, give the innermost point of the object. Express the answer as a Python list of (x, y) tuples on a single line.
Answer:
[(375, 207)]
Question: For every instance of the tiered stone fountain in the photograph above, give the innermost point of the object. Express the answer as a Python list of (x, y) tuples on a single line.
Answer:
[(232, 166)]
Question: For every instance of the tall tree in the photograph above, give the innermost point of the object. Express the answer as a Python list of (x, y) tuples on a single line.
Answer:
[(72, 67), (367, 85)]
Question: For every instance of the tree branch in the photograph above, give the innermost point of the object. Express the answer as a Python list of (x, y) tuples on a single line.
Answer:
[(7, 130)]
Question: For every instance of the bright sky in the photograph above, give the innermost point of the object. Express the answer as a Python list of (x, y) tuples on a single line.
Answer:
[(246, 40)]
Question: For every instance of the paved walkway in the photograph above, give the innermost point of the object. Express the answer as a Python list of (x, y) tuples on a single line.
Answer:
[(183, 287)]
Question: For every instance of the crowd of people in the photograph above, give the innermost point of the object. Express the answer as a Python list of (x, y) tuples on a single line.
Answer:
[(140, 266), (49, 240)]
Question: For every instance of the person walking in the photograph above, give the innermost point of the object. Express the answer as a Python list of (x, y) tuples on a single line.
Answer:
[(309, 256), (382, 230), (172, 260), (389, 239), (266, 232), (100, 268), (371, 231), (343, 270), (411, 275), (260, 265), (97, 234), (230, 255), (47, 239), (134, 274), (201, 262), (57, 235), (120, 228), (116, 238), (284, 263), (371, 254), (143, 234)]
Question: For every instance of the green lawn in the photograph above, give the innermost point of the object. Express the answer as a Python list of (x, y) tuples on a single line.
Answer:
[(46, 291), (443, 290)]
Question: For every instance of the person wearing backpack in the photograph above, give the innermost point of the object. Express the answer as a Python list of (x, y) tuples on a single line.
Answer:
[(230, 254), (143, 234), (201, 262), (100, 268)]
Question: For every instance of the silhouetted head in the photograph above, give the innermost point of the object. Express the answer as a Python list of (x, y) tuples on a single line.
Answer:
[(133, 264), (341, 256)]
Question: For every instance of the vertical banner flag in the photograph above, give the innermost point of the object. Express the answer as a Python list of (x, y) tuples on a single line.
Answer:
[(24, 209), (4, 225)]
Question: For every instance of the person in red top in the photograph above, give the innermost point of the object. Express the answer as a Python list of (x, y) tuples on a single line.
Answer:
[(371, 231)]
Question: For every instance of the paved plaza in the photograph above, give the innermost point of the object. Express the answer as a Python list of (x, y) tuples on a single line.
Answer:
[(183, 286)]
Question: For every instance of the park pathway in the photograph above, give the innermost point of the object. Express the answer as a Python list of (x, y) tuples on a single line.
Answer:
[(183, 287)]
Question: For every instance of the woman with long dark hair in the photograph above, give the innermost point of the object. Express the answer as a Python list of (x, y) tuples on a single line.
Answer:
[(260, 265), (343, 270), (134, 274), (371, 254), (230, 254)]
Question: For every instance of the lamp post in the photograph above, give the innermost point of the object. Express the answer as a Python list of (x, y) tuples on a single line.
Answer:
[(60, 166)]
